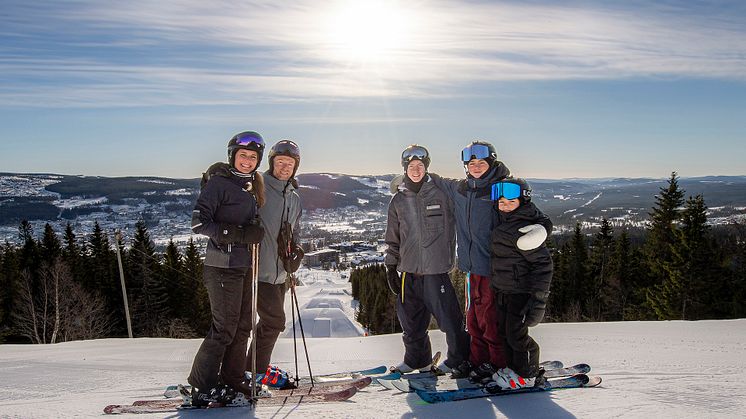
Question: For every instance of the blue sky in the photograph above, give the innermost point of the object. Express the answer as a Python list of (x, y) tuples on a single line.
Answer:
[(573, 89)]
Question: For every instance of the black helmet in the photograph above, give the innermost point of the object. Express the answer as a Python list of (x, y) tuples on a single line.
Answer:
[(479, 150), (247, 140), (284, 148), (415, 152), (512, 188)]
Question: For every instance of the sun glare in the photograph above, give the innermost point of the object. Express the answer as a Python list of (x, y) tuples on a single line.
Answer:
[(368, 31)]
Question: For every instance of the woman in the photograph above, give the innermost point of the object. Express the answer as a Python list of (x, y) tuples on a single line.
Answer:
[(226, 212)]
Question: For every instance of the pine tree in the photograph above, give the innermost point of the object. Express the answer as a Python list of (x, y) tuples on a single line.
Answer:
[(577, 281), (149, 295), (198, 308), (661, 234), (600, 271), (101, 275), (50, 247), (174, 278), (688, 288)]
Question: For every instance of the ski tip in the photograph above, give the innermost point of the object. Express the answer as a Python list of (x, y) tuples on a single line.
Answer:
[(363, 382), (593, 381), (112, 409)]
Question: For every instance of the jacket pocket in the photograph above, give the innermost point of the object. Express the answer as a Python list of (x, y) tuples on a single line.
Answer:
[(217, 257)]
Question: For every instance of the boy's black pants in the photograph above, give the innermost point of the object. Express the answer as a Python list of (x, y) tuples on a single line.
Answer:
[(521, 351), (426, 295)]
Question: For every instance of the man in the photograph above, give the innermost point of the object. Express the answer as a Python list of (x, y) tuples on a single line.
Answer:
[(421, 245), (281, 212)]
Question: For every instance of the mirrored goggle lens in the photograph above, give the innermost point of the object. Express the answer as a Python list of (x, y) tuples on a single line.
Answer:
[(414, 153), (475, 151), (249, 139), (287, 148), (505, 190)]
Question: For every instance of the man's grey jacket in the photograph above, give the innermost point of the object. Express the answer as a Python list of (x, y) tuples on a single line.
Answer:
[(420, 233)]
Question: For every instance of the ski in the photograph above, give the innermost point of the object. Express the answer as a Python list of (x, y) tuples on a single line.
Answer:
[(429, 381), (385, 380), (575, 381), (359, 383), (173, 405)]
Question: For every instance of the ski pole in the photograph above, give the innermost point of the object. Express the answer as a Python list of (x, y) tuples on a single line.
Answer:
[(295, 341), (254, 298), (302, 334)]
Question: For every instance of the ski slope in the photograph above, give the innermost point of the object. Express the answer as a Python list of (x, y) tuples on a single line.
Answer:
[(650, 369)]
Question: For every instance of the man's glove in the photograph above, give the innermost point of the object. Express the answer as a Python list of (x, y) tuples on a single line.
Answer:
[(231, 233), (533, 311), (393, 279), (534, 235), (291, 263)]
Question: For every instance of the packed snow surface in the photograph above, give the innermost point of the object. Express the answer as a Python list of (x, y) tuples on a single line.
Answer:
[(674, 369)]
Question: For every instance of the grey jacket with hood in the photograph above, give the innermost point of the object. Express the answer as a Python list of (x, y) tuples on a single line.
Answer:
[(282, 202), (420, 233)]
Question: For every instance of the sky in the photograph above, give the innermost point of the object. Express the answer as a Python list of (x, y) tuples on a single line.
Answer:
[(562, 89)]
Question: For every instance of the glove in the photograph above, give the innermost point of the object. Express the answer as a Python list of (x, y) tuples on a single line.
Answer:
[(393, 279), (253, 233), (291, 263), (231, 233), (533, 237), (535, 307)]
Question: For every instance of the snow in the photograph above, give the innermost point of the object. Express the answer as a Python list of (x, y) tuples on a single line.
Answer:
[(652, 369)]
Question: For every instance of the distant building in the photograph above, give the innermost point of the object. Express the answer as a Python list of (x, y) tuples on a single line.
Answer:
[(322, 257)]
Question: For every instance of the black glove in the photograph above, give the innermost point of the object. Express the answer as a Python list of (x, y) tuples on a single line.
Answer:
[(292, 261), (231, 233), (252, 233), (533, 311), (393, 279)]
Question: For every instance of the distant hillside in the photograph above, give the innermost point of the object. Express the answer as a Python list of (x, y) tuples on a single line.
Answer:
[(166, 203)]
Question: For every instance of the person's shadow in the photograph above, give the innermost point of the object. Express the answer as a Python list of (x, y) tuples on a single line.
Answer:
[(530, 405)]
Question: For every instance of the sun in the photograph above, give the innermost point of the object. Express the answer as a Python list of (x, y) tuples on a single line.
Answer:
[(368, 31)]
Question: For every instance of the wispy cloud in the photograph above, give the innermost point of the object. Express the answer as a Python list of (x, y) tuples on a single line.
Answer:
[(139, 53)]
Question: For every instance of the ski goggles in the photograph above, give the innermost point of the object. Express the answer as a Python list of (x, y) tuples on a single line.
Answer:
[(475, 151), (249, 139), (414, 153), (286, 148), (507, 190)]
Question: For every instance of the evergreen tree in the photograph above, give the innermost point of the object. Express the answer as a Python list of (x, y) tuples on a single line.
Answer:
[(173, 277), (50, 247), (376, 304), (148, 293), (29, 256), (693, 288), (579, 285), (600, 272), (101, 275), (661, 233), (197, 303), (9, 274)]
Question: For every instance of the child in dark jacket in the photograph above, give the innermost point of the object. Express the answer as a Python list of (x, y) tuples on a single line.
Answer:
[(521, 280)]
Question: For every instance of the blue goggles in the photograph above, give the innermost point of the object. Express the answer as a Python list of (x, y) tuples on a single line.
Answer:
[(249, 139), (505, 190), (475, 151)]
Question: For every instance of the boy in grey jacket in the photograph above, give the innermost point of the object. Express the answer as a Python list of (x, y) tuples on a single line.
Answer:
[(421, 243)]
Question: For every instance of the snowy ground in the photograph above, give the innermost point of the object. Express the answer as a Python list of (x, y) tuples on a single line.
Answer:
[(650, 369)]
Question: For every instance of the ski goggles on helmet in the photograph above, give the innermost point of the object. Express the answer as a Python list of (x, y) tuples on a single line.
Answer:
[(249, 139), (475, 151), (285, 148), (414, 153), (507, 190)]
